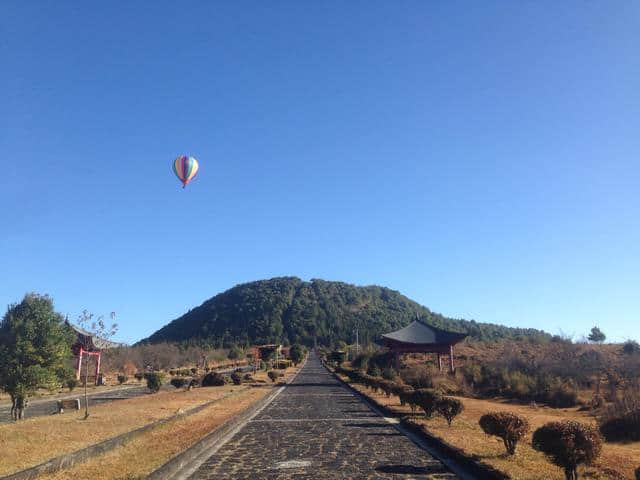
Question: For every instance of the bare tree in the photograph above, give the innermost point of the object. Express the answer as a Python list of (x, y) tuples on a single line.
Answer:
[(97, 328)]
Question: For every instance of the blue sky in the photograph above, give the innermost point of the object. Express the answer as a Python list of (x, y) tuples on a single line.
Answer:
[(480, 157)]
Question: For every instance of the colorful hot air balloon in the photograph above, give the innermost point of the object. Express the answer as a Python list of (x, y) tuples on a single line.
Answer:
[(185, 168)]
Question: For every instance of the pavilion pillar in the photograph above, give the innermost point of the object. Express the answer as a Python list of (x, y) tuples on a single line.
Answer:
[(439, 361), (451, 367), (78, 364), (98, 366), (396, 360)]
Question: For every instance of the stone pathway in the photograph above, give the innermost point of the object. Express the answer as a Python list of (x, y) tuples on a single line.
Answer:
[(318, 429)]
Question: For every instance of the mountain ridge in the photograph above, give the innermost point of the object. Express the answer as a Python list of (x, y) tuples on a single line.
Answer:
[(290, 310)]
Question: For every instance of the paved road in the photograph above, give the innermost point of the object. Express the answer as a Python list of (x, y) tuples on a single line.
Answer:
[(318, 429)]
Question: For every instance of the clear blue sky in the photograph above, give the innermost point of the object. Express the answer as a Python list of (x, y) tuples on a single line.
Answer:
[(482, 158)]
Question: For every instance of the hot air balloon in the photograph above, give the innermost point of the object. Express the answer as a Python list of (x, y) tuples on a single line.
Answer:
[(185, 168)]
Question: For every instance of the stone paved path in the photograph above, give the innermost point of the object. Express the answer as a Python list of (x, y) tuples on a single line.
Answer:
[(318, 429)]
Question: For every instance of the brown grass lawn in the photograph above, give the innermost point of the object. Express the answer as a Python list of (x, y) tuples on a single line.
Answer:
[(528, 464), (144, 454), (35, 440)]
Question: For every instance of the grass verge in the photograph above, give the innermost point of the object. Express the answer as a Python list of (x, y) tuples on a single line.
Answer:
[(618, 461), (36, 440)]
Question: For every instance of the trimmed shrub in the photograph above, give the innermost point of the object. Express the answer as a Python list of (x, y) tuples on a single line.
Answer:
[(193, 383), (625, 428), (194, 370), (426, 399), (449, 408), (263, 365), (508, 426), (361, 362), (71, 383), (283, 364), (406, 398), (236, 378), (631, 347), (385, 386), (139, 376), (568, 444), (247, 377), (213, 379), (154, 381), (389, 374), (178, 382), (297, 353), (374, 371), (273, 375), (122, 379)]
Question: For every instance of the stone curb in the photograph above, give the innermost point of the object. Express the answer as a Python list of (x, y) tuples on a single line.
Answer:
[(175, 467), (68, 460), (441, 449)]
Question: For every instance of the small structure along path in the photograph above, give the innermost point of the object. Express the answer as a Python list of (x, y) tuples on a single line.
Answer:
[(418, 337)]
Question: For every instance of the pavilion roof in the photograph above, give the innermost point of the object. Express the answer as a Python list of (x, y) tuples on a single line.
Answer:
[(419, 333), (91, 342)]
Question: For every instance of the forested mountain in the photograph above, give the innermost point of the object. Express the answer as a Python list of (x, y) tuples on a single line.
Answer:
[(287, 309)]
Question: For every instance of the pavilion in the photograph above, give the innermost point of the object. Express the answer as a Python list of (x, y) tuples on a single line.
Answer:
[(90, 345), (418, 337)]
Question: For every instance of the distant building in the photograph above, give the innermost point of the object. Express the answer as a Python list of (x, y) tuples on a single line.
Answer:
[(418, 337), (88, 345)]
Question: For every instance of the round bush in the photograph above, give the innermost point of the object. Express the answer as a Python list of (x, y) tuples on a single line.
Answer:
[(71, 384), (122, 379), (389, 374), (374, 371), (213, 379), (139, 376), (178, 382), (426, 399), (406, 397), (508, 426), (625, 428), (568, 444), (273, 375), (236, 378), (154, 381), (449, 408)]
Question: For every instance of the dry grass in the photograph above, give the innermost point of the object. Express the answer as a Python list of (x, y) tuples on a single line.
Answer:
[(141, 456), (527, 464), (35, 440), (38, 439)]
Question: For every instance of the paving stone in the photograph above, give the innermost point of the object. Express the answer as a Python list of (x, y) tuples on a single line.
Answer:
[(318, 429)]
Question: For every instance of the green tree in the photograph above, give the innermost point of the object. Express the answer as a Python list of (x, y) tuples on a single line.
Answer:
[(297, 353), (596, 335), (35, 347)]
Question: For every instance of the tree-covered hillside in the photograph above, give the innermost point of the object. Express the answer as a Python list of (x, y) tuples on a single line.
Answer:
[(289, 309)]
